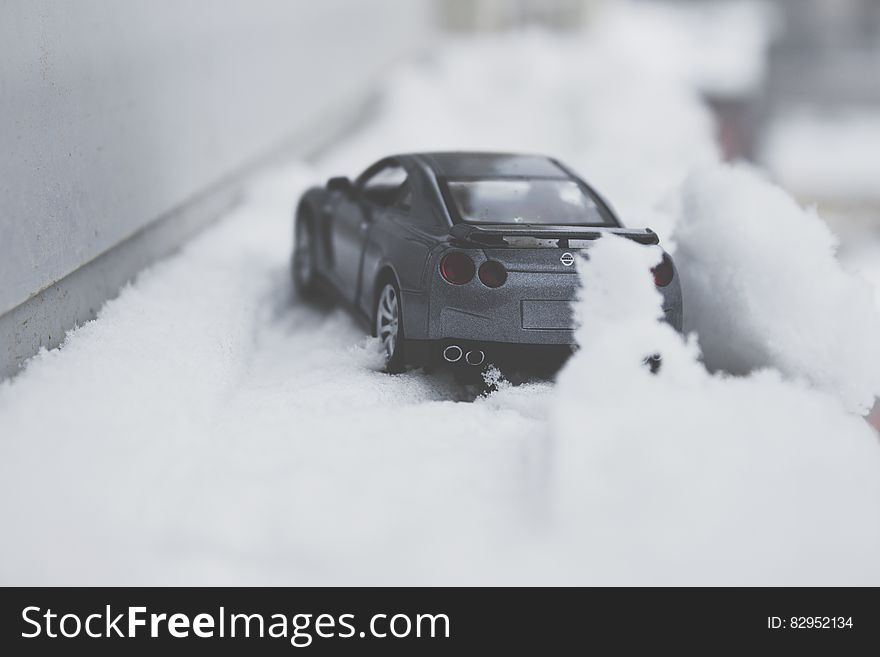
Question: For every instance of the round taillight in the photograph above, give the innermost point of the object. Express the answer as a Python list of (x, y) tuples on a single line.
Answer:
[(457, 268), (663, 272), (493, 273)]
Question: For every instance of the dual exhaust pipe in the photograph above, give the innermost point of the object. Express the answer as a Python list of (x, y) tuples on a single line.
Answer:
[(453, 354)]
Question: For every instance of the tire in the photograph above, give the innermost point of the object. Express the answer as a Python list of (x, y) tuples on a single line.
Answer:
[(388, 325), (304, 262)]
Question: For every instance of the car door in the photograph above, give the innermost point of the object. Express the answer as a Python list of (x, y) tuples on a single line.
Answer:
[(400, 235), (347, 228), (351, 221)]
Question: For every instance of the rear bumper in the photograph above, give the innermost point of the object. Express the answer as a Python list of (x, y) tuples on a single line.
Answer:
[(529, 309), (462, 325), (538, 358)]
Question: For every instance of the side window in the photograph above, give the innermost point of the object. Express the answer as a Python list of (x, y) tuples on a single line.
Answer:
[(383, 186), (404, 197)]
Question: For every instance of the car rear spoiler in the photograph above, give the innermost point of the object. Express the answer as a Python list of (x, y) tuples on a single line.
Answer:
[(495, 234)]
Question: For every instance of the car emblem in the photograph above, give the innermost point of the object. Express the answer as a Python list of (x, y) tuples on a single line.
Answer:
[(566, 259)]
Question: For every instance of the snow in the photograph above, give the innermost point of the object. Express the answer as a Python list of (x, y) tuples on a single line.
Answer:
[(764, 287), (694, 478), (208, 428)]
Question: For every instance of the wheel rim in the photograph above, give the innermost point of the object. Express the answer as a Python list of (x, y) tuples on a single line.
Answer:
[(303, 250), (387, 318)]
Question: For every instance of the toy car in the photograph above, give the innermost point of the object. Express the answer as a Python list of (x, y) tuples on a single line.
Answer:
[(460, 258)]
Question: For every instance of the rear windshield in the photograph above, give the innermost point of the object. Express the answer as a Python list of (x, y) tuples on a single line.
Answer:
[(555, 201)]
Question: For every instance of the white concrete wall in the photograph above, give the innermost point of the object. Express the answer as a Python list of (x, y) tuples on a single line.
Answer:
[(116, 112)]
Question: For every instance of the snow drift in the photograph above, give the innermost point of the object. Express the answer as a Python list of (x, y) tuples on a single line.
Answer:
[(688, 477), (763, 288)]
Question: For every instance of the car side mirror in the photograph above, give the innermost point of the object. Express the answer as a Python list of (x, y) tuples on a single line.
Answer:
[(341, 184)]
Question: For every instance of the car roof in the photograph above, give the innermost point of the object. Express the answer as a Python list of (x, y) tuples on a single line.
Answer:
[(465, 164)]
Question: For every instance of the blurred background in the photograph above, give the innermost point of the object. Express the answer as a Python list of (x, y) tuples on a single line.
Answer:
[(793, 84)]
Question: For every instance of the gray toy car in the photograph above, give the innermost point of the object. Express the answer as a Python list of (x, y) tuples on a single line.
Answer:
[(460, 258)]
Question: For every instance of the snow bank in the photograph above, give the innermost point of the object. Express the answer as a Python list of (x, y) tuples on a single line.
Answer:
[(763, 288), (686, 477), (99, 436)]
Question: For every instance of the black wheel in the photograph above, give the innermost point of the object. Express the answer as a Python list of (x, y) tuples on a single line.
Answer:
[(304, 262), (389, 326)]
